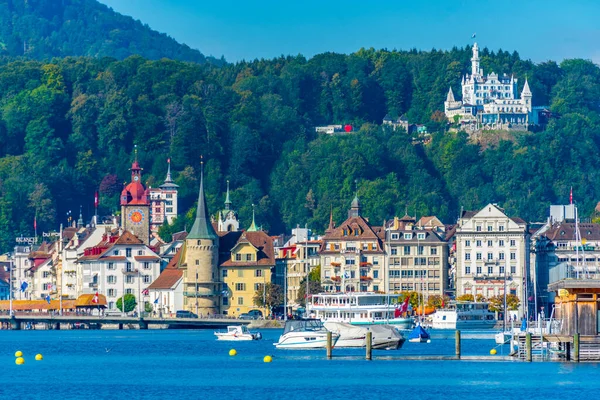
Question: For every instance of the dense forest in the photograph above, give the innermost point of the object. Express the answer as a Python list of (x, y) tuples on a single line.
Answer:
[(68, 128), (42, 29)]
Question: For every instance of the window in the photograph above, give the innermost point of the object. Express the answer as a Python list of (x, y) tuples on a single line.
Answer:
[(467, 256), (225, 300), (248, 257), (111, 305), (490, 270), (513, 243), (421, 236), (238, 257), (478, 243), (513, 269), (420, 250), (116, 253), (140, 252), (197, 262), (501, 269), (240, 287), (394, 251), (258, 273), (240, 301), (169, 195), (46, 274), (490, 228), (111, 293), (128, 291), (350, 261), (146, 265), (489, 243), (129, 279), (128, 267), (147, 279), (376, 288), (408, 236), (490, 256), (224, 273), (467, 243), (501, 255), (111, 266), (111, 279), (501, 228), (478, 256), (433, 251), (478, 269), (258, 286), (198, 242), (467, 270), (513, 256), (127, 252), (501, 243), (240, 273), (406, 250), (395, 236), (375, 274), (478, 228), (169, 209)]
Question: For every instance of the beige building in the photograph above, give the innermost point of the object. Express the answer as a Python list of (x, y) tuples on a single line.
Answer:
[(492, 248), (417, 255), (352, 255)]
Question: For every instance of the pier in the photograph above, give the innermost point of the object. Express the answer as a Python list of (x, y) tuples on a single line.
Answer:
[(19, 321)]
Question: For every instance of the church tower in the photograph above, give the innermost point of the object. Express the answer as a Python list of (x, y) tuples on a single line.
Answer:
[(227, 220), (475, 61), (526, 96), (169, 195), (135, 205), (201, 278)]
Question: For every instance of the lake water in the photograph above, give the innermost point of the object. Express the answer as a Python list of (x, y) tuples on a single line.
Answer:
[(161, 364)]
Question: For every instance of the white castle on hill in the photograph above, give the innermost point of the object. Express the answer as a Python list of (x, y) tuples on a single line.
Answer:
[(490, 101)]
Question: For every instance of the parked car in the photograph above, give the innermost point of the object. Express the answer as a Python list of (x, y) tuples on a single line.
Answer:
[(245, 316), (185, 314), (255, 314)]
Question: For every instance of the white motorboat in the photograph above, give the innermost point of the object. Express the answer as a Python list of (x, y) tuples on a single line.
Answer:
[(503, 337), (359, 308), (464, 315), (237, 332), (383, 337), (305, 334)]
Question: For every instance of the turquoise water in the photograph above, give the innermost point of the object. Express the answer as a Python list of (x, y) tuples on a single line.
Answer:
[(160, 364)]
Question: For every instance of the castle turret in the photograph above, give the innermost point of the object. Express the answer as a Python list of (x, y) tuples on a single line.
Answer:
[(526, 96), (201, 282), (475, 61)]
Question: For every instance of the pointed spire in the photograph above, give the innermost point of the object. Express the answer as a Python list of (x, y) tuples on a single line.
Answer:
[(331, 226), (450, 97), (80, 220), (526, 91), (227, 201), (202, 228), (253, 227), (135, 152), (168, 180)]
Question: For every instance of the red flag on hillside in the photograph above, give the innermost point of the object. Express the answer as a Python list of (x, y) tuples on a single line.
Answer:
[(96, 199), (34, 223), (95, 298)]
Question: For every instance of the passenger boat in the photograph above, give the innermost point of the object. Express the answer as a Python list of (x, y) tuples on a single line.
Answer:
[(464, 315), (237, 332), (305, 334), (383, 337), (361, 308)]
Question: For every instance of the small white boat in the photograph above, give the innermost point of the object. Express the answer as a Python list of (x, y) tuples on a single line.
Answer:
[(383, 337), (305, 334), (237, 332)]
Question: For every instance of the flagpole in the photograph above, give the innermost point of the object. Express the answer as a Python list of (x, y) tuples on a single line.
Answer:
[(10, 292), (62, 269)]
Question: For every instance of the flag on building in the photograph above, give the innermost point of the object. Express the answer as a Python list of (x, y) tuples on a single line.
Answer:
[(156, 300), (473, 36), (35, 223), (96, 199), (24, 286), (145, 292), (95, 298), (571, 196), (48, 299)]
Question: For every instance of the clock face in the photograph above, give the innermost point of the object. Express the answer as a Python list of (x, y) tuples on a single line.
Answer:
[(136, 178), (136, 216)]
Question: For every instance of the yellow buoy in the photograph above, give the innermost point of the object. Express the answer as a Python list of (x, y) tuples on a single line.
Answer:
[(493, 352), (38, 357), (20, 360), (268, 359), (19, 354), (232, 352)]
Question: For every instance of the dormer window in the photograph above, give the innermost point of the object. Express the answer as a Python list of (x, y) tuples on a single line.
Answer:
[(408, 236), (420, 236), (395, 236)]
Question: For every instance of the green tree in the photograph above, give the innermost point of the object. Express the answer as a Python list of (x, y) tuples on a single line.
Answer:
[(314, 287), (270, 295), (465, 297), (497, 303), (130, 303)]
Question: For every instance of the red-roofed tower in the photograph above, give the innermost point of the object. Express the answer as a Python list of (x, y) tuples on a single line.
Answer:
[(135, 205)]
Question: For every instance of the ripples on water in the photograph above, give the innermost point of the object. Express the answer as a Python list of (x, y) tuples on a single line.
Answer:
[(192, 365)]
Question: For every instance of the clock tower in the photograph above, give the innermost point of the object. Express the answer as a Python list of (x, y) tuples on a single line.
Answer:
[(135, 206)]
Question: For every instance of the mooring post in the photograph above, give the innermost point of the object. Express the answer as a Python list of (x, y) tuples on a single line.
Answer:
[(329, 345), (528, 347), (369, 344), (568, 350), (458, 344), (576, 347)]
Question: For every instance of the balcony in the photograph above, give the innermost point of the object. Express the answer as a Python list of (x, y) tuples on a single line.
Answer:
[(130, 271), (365, 278), (490, 277), (365, 264), (202, 293)]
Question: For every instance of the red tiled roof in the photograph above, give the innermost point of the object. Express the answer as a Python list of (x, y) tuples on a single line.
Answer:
[(352, 226), (170, 275), (259, 239), (128, 238)]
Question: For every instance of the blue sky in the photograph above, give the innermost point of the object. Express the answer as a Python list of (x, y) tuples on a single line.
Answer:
[(537, 29)]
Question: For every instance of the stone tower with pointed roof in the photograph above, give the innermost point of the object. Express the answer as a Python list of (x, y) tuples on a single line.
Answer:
[(202, 285), (135, 205), (164, 202), (227, 219)]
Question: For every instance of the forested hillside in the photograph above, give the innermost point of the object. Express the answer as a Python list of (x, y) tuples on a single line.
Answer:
[(69, 127), (42, 29)]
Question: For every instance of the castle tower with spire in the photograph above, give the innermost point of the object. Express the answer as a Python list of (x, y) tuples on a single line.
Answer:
[(202, 287), (164, 202), (227, 219), (135, 205), (489, 101)]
